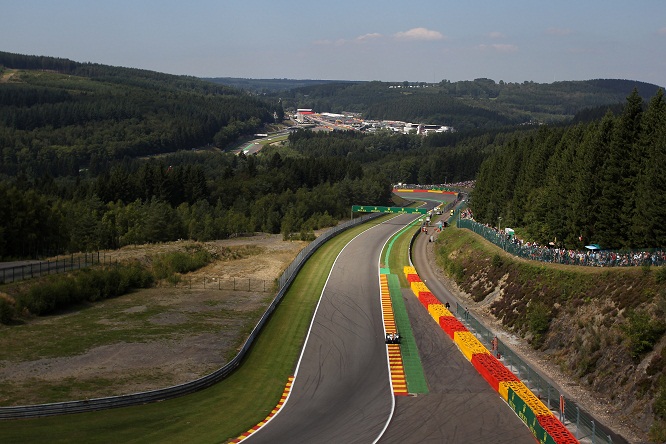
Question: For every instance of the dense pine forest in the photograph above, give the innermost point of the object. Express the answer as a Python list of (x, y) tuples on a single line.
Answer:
[(602, 182), (58, 116), (97, 157)]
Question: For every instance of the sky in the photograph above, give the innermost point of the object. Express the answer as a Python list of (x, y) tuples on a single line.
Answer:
[(387, 40)]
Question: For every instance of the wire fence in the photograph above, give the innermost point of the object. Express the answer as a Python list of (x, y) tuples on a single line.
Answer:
[(575, 418), (14, 273), (221, 283), (590, 258)]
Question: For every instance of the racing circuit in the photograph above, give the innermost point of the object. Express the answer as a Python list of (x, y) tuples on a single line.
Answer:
[(343, 391)]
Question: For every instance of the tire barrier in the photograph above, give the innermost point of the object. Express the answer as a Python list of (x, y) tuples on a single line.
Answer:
[(545, 427), (451, 325), (492, 370), (468, 344), (428, 299)]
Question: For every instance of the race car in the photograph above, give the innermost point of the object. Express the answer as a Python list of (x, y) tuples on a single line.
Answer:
[(393, 337)]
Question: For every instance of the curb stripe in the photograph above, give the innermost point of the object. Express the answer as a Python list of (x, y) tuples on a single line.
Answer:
[(277, 408), (398, 381)]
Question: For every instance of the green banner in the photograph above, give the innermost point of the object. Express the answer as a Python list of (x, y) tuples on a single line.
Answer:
[(394, 210)]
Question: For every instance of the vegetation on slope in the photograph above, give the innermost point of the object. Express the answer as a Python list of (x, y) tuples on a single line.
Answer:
[(603, 327)]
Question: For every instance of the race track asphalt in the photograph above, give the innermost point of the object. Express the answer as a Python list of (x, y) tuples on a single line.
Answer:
[(341, 392)]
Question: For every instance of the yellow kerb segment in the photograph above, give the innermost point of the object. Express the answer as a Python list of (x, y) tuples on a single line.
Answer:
[(468, 344)]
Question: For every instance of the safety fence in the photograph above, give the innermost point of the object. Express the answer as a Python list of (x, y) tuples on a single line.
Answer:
[(221, 283), (88, 405), (591, 258), (35, 269), (580, 422)]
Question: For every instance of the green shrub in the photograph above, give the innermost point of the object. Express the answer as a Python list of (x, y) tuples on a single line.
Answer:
[(7, 311), (659, 405), (166, 265), (538, 321), (497, 261), (642, 331), (88, 285), (660, 274), (658, 431)]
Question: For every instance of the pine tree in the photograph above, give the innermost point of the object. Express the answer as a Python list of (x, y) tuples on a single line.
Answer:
[(648, 228)]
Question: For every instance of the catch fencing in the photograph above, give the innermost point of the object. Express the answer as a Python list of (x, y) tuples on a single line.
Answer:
[(88, 405), (575, 418)]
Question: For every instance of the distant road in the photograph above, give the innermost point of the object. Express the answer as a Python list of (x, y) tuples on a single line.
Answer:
[(254, 146)]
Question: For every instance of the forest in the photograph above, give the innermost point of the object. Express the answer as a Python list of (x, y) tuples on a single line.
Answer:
[(58, 116), (480, 104), (96, 157), (601, 182)]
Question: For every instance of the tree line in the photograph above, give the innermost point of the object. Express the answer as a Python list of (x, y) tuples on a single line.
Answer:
[(601, 182), (198, 196)]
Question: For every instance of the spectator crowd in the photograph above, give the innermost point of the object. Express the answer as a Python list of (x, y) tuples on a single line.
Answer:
[(553, 254)]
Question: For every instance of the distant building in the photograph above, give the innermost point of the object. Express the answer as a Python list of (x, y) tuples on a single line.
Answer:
[(301, 114)]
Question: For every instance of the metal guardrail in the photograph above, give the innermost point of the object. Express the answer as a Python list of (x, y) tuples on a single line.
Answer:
[(88, 405), (576, 419)]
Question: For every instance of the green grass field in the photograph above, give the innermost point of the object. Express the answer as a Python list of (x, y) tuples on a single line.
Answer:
[(221, 412)]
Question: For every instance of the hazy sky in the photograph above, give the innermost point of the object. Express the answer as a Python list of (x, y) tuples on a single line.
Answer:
[(420, 40)]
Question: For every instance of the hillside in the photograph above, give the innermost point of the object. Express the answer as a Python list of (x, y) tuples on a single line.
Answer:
[(602, 328), (465, 105), (58, 116)]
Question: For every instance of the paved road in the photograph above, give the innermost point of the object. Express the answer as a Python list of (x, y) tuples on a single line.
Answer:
[(460, 406), (342, 393)]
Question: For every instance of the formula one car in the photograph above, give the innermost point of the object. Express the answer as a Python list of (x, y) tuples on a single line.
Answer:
[(393, 338)]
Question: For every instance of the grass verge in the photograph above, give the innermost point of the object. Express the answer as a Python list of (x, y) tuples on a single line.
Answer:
[(221, 412)]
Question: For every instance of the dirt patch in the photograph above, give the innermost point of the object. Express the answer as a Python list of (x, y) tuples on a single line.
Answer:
[(148, 339)]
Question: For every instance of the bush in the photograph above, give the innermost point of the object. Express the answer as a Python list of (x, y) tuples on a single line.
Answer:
[(88, 285), (660, 274), (538, 321), (643, 332), (7, 311), (166, 265)]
